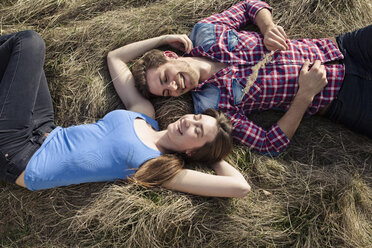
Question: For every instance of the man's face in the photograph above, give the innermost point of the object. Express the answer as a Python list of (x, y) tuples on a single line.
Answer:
[(173, 78)]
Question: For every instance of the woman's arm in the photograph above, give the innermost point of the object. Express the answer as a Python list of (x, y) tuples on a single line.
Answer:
[(227, 183), (122, 77)]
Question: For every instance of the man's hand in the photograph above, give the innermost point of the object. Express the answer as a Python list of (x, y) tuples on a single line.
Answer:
[(178, 41), (275, 38), (312, 81), (274, 35)]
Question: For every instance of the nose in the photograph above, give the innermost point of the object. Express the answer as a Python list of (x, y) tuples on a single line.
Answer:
[(172, 85), (187, 123)]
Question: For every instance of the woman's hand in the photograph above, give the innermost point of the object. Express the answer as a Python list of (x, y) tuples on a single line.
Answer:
[(275, 38), (178, 41)]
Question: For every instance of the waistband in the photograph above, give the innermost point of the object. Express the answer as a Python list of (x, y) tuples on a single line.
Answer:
[(11, 168)]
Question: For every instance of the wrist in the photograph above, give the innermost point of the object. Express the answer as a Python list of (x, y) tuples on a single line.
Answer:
[(264, 20), (267, 27), (303, 97), (162, 40)]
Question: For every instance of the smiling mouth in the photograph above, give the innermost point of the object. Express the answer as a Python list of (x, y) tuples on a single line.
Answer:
[(182, 81), (179, 127)]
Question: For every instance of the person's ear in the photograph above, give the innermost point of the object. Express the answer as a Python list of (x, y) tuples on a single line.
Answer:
[(170, 54), (189, 153)]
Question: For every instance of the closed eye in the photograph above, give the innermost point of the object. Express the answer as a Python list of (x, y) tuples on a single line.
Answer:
[(164, 82), (165, 92), (197, 131)]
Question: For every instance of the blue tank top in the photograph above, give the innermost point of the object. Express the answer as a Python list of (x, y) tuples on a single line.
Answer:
[(104, 151)]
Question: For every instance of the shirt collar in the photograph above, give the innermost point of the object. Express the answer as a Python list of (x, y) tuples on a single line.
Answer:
[(215, 78)]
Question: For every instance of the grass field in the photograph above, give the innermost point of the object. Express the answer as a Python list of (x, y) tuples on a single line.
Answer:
[(316, 194)]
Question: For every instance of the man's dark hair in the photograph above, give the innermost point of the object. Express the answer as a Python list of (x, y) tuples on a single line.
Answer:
[(152, 59)]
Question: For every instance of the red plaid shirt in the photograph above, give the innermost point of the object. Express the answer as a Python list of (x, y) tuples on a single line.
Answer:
[(219, 37)]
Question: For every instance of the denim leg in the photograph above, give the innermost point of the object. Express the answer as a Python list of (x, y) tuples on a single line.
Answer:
[(4, 53), (43, 109), (26, 110), (23, 53), (353, 106), (357, 49)]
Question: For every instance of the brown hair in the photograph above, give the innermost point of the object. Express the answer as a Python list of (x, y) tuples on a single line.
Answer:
[(220, 147), (156, 171), (161, 169), (152, 59)]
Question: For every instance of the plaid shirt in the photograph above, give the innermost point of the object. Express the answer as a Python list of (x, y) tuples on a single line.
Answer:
[(219, 38)]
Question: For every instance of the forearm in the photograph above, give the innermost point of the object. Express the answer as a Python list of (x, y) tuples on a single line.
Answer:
[(274, 35), (292, 118), (131, 51), (122, 76), (227, 183), (223, 168), (311, 82), (264, 20)]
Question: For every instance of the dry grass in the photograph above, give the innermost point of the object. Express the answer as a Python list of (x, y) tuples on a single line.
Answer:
[(317, 194)]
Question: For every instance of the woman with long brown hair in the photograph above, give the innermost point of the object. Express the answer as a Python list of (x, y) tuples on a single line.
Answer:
[(123, 145)]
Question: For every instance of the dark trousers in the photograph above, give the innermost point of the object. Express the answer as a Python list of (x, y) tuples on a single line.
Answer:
[(26, 110), (353, 105)]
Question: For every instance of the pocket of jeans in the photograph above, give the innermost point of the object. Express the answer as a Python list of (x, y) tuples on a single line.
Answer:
[(7, 164)]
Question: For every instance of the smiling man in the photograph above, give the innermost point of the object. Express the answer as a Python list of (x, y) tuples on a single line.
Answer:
[(301, 77), (172, 79)]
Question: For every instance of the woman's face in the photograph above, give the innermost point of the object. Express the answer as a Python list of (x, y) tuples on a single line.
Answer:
[(192, 131)]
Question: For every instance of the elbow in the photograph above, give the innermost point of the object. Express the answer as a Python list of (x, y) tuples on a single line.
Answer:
[(110, 55), (242, 190)]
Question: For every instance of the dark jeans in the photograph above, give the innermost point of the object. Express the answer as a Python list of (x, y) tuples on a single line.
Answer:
[(353, 105), (26, 110)]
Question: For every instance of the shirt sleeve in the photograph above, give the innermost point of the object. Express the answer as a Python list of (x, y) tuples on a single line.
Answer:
[(270, 142), (238, 15)]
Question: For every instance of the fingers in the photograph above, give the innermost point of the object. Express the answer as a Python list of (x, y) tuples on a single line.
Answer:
[(312, 81), (279, 31), (317, 71), (186, 42), (305, 66), (181, 42), (275, 38), (272, 44), (189, 46), (317, 65)]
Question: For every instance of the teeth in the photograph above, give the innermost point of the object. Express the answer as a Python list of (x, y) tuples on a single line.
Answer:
[(183, 82)]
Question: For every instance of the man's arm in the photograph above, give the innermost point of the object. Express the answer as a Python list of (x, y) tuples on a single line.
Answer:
[(311, 82), (277, 138), (122, 77), (269, 142), (252, 11), (238, 15), (274, 35)]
